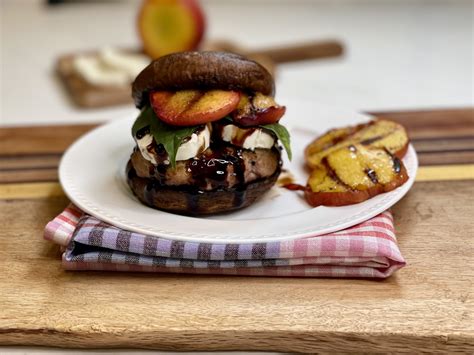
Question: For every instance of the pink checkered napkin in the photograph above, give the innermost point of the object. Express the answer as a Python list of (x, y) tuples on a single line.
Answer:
[(366, 250), (61, 228)]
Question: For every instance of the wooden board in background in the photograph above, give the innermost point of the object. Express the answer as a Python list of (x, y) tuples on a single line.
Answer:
[(87, 95), (440, 137)]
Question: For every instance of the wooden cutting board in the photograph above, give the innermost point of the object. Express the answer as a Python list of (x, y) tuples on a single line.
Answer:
[(427, 306), (88, 95)]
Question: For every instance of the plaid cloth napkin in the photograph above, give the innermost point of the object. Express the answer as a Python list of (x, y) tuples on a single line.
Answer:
[(367, 250)]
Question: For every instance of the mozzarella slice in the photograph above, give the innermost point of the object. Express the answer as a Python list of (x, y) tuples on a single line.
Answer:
[(146, 147), (110, 67), (247, 138), (195, 145)]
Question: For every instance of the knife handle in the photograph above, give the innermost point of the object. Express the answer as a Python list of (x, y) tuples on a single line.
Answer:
[(303, 51)]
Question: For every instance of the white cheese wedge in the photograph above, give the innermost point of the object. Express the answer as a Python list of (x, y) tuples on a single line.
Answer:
[(195, 145), (143, 144), (247, 138), (110, 67)]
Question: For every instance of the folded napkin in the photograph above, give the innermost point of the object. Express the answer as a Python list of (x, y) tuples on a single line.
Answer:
[(367, 250)]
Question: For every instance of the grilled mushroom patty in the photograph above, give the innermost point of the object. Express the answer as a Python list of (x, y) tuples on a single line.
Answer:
[(224, 167)]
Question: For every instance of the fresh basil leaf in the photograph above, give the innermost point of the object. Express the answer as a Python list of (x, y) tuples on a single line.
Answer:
[(279, 130), (227, 119), (170, 137), (282, 134), (143, 120)]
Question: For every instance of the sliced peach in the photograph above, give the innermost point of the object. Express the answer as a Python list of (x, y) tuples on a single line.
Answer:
[(259, 110), (262, 117), (378, 134), (193, 107), (352, 175), (316, 199), (168, 26)]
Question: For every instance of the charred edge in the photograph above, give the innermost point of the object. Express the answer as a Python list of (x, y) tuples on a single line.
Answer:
[(372, 175), (334, 141), (397, 164), (373, 139), (368, 171), (195, 99), (332, 174)]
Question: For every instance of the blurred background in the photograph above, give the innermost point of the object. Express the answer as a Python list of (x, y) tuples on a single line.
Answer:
[(398, 54)]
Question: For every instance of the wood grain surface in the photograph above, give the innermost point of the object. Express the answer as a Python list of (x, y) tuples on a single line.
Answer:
[(440, 137), (427, 306)]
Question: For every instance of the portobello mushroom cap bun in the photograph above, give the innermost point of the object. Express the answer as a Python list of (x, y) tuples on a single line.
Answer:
[(208, 137)]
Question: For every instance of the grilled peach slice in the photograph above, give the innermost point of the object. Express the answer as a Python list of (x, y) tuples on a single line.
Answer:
[(257, 110), (324, 189), (354, 174), (328, 140), (193, 107), (385, 134), (378, 134)]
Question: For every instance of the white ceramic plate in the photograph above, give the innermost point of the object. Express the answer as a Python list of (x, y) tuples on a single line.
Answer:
[(92, 175)]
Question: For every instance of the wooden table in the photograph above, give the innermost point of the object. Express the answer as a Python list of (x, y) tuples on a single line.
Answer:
[(426, 306)]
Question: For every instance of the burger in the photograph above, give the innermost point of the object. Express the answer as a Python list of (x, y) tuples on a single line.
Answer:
[(208, 134)]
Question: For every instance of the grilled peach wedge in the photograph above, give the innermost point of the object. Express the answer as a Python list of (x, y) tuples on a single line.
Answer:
[(257, 110), (378, 133), (193, 107), (352, 164), (354, 174)]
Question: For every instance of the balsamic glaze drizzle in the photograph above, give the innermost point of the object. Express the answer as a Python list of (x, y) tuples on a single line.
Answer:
[(210, 170)]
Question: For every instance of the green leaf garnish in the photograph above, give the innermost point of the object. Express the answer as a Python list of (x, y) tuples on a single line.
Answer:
[(279, 130), (143, 120), (172, 137), (169, 136), (282, 134)]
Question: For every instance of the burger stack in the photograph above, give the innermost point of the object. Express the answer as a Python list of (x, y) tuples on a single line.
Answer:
[(208, 134)]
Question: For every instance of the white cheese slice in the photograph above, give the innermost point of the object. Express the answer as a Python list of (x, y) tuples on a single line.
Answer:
[(247, 138), (96, 73), (195, 145), (110, 67), (143, 144)]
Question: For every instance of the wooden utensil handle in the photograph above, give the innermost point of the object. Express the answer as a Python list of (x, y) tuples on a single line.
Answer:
[(304, 51)]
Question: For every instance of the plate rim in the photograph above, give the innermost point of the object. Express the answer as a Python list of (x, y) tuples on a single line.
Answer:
[(389, 198)]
